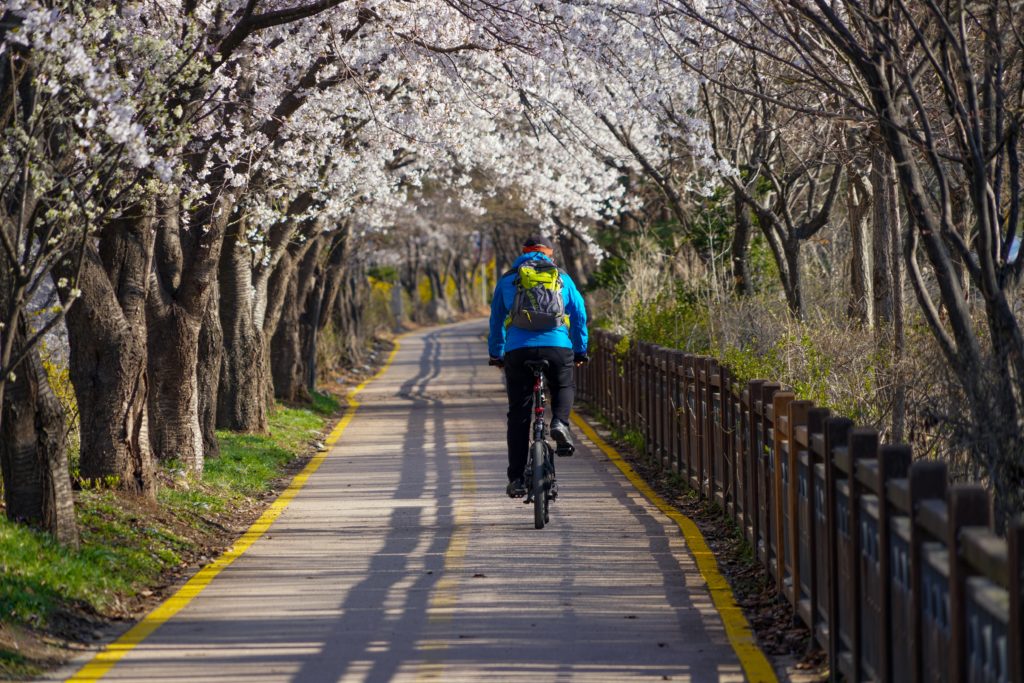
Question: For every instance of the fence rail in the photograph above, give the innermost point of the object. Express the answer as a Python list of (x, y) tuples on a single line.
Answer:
[(898, 575)]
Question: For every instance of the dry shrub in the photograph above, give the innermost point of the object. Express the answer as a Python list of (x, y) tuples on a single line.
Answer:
[(827, 357)]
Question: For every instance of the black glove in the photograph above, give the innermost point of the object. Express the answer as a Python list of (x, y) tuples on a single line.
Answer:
[(496, 362), (580, 358)]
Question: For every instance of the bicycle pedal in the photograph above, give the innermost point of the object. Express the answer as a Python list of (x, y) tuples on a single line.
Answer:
[(565, 451)]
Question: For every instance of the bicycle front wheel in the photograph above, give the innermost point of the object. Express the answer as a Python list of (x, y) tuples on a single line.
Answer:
[(540, 479)]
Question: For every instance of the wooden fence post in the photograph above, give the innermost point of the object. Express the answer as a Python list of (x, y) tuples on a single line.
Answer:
[(698, 423), (765, 476), (837, 433), (797, 417), (728, 429), (816, 418), (641, 363), (650, 407), (863, 446), (780, 410), (616, 390), (927, 480), (678, 401), (603, 385), (710, 452), (968, 506), (665, 414), (893, 463), (632, 386), (688, 417), (1015, 543), (750, 470)]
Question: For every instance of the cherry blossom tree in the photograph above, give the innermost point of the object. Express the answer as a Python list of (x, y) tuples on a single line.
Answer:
[(222, 160)]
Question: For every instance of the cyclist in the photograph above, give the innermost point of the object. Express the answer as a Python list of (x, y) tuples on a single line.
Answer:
[(537, 313)]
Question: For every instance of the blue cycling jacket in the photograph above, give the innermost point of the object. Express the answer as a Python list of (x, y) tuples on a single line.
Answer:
[(502, 339)]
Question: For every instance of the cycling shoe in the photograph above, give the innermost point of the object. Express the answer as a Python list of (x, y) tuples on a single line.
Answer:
[(563, 438), (516, 488)]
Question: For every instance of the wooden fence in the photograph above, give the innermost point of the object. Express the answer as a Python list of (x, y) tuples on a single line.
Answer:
[(897, 574)]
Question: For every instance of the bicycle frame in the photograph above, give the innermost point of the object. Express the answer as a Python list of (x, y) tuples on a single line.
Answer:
[(539, 401)]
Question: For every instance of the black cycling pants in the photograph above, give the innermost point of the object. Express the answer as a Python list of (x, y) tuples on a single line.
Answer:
[(561, 381)]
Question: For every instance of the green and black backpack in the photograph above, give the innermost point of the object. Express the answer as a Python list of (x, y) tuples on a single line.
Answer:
[(538, 304)]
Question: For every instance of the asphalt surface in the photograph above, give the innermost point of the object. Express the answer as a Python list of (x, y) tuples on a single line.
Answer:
[(402, 560)]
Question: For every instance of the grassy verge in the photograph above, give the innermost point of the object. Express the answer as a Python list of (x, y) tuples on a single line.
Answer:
[(131, 549)]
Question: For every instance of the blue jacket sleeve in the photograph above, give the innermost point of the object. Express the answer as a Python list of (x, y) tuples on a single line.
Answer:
[(577, 311), (496, 337)]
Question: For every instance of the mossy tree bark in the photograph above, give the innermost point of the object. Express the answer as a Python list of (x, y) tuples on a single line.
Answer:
[(211, 352), (33, 454), (289, 343), (107, 343)]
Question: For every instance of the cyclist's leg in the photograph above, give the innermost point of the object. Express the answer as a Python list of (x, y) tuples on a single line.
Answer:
[(562, 382), (519, 386), (561, 379)]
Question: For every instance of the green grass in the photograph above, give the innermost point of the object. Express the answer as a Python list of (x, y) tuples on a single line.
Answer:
[(119, 553), (325, 404), (15, 666), (248, 463), (126, 547)]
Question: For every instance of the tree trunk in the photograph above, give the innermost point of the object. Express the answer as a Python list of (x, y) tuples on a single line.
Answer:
[(794, 289), (463, 277), (739, 248), (287, 356), (174, 400), (184, 278), (348, 314), (241, 400), (899, 409), (286, 349), (309, 325), (438, 309), (574, 260), (337, 262), (858, 203), (887, 281), (33, 457), (883, 259), (280, 297), (211, 347), (107, 341)]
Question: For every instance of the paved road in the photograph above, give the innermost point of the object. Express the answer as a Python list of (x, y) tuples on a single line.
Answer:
[(402, 560)]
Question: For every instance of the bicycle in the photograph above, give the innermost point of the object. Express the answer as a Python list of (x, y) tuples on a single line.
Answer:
[(539, 475)]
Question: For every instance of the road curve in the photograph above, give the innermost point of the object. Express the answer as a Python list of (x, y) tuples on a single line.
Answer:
[(401, 559)]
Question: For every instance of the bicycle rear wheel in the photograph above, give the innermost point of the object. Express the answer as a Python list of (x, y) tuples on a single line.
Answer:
[(540, 478)]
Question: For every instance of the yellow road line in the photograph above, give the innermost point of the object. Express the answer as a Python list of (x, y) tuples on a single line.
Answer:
[(741, 637), (442, 603), (105, 660)]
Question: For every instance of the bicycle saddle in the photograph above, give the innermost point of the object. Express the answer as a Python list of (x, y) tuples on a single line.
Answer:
[(536, 364)]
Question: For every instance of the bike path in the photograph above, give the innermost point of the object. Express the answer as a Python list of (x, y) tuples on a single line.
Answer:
[(401, 559)]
